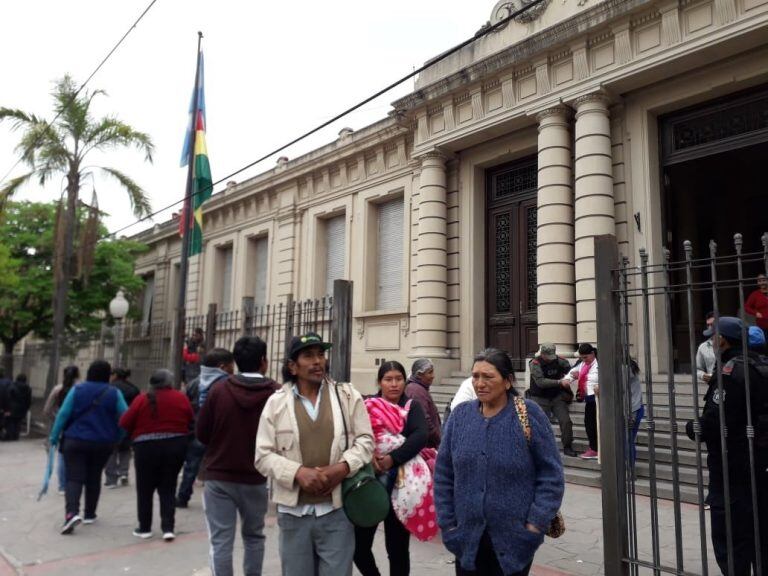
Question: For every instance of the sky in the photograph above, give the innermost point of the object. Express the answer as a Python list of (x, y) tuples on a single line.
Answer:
[(273, 70)]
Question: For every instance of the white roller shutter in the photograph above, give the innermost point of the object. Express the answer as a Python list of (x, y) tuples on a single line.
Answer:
[(149, 298), (334, 242), (226, 279), (389, 256), (260, 251)]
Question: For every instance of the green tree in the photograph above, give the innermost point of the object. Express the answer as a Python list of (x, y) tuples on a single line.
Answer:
[(62, 146), (27, 236)]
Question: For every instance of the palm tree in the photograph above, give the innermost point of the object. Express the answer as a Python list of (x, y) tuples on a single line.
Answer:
[(61, 146)]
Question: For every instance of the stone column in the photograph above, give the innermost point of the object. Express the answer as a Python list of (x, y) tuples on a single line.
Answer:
[(594, 210), (432, 260), (554, 253)]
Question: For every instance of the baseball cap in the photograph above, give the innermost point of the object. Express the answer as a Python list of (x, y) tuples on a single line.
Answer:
[(728, 326), (548, 350), (756, 337), (299, 343)]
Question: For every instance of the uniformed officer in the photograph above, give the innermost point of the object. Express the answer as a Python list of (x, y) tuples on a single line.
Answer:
[(735, 409), (547, 370)]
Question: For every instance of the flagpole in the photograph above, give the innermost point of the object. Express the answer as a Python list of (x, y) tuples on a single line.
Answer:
[(178, 360)]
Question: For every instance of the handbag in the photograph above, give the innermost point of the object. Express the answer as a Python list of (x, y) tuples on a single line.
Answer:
[(365, 499), (557, 525)]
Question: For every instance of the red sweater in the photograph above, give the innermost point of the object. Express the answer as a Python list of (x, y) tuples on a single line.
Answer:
[(174, 414), (758, 302)]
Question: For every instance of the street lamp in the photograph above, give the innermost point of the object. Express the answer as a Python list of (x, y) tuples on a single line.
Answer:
[(118, 308)]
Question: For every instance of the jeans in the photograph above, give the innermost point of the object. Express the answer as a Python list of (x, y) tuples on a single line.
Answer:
[(316, 545), (85, 462), (118, 465), (222, 501), (61, 472), (486, 563), (637, 417), (559, 408), (397, 540), (590, 421), (194, 457), (157, 466)]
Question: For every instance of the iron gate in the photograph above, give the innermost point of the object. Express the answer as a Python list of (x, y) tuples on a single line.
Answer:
[(656, 523)]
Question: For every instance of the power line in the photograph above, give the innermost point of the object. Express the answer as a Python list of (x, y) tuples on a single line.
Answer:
[(83, 85), (492, 28)]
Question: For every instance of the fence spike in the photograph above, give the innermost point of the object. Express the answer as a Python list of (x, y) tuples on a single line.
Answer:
[(738, 242)]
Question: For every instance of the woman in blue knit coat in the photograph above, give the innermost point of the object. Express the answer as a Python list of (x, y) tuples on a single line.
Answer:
[(495, 492)]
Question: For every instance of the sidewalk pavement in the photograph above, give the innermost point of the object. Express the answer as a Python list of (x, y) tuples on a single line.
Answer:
[(30, 543)]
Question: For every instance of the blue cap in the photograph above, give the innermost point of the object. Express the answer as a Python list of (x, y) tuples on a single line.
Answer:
[(728, 326), (756, 337)]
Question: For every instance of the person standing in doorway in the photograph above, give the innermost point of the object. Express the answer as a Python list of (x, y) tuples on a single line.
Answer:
[(300, 446), (757, 303), (550, 392), (705, 355), (585, 373), (119, 463), (227, 426), (421, 378), (87, 424), (158, 422)]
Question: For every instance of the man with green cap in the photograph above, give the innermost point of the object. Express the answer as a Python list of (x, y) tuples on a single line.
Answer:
[(301, 447), (547, 370)]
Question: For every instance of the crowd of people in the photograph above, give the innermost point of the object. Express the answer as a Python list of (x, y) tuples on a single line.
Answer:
[(488, 477)]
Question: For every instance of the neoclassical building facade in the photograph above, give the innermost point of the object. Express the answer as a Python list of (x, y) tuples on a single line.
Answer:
[(466, 218)]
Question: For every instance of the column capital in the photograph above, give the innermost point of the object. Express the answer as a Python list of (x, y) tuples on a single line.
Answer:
[(554, 115), (434, 156), (595, 100)]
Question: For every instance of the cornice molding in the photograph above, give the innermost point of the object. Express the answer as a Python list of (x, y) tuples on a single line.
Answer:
[(540, 43)]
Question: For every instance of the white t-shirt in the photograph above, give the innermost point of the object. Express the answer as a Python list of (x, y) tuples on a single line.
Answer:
[(465, 393)]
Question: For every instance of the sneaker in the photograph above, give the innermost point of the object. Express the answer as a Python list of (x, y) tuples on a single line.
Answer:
[(61, 492), (70, 522), (568, 451), (123, 481), (89, 519), (169, 536), (589, 455), (110, 485), (143, 535), (182, 503)]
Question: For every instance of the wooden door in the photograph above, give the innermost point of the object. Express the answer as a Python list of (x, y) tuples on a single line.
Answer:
[(511, 260)]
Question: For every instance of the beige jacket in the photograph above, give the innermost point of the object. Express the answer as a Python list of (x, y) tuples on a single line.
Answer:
[(278, 455)]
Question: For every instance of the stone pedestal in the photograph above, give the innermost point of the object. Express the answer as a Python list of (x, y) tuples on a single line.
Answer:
[(556, 296), (594, 210)]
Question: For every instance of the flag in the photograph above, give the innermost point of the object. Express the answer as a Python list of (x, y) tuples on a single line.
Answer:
[(202, 183)]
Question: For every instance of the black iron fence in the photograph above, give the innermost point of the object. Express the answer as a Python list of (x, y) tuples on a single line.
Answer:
[(148, 346), (719, 497)]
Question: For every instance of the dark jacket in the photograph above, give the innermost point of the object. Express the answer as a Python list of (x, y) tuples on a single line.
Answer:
[(415, 431), (734, 406), (227, 424), (19, 399), (418, 392), (546, 376), (90, 412), (129, 389)]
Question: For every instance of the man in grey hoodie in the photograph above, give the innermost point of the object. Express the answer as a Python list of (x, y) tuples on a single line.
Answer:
[(217, 365)]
